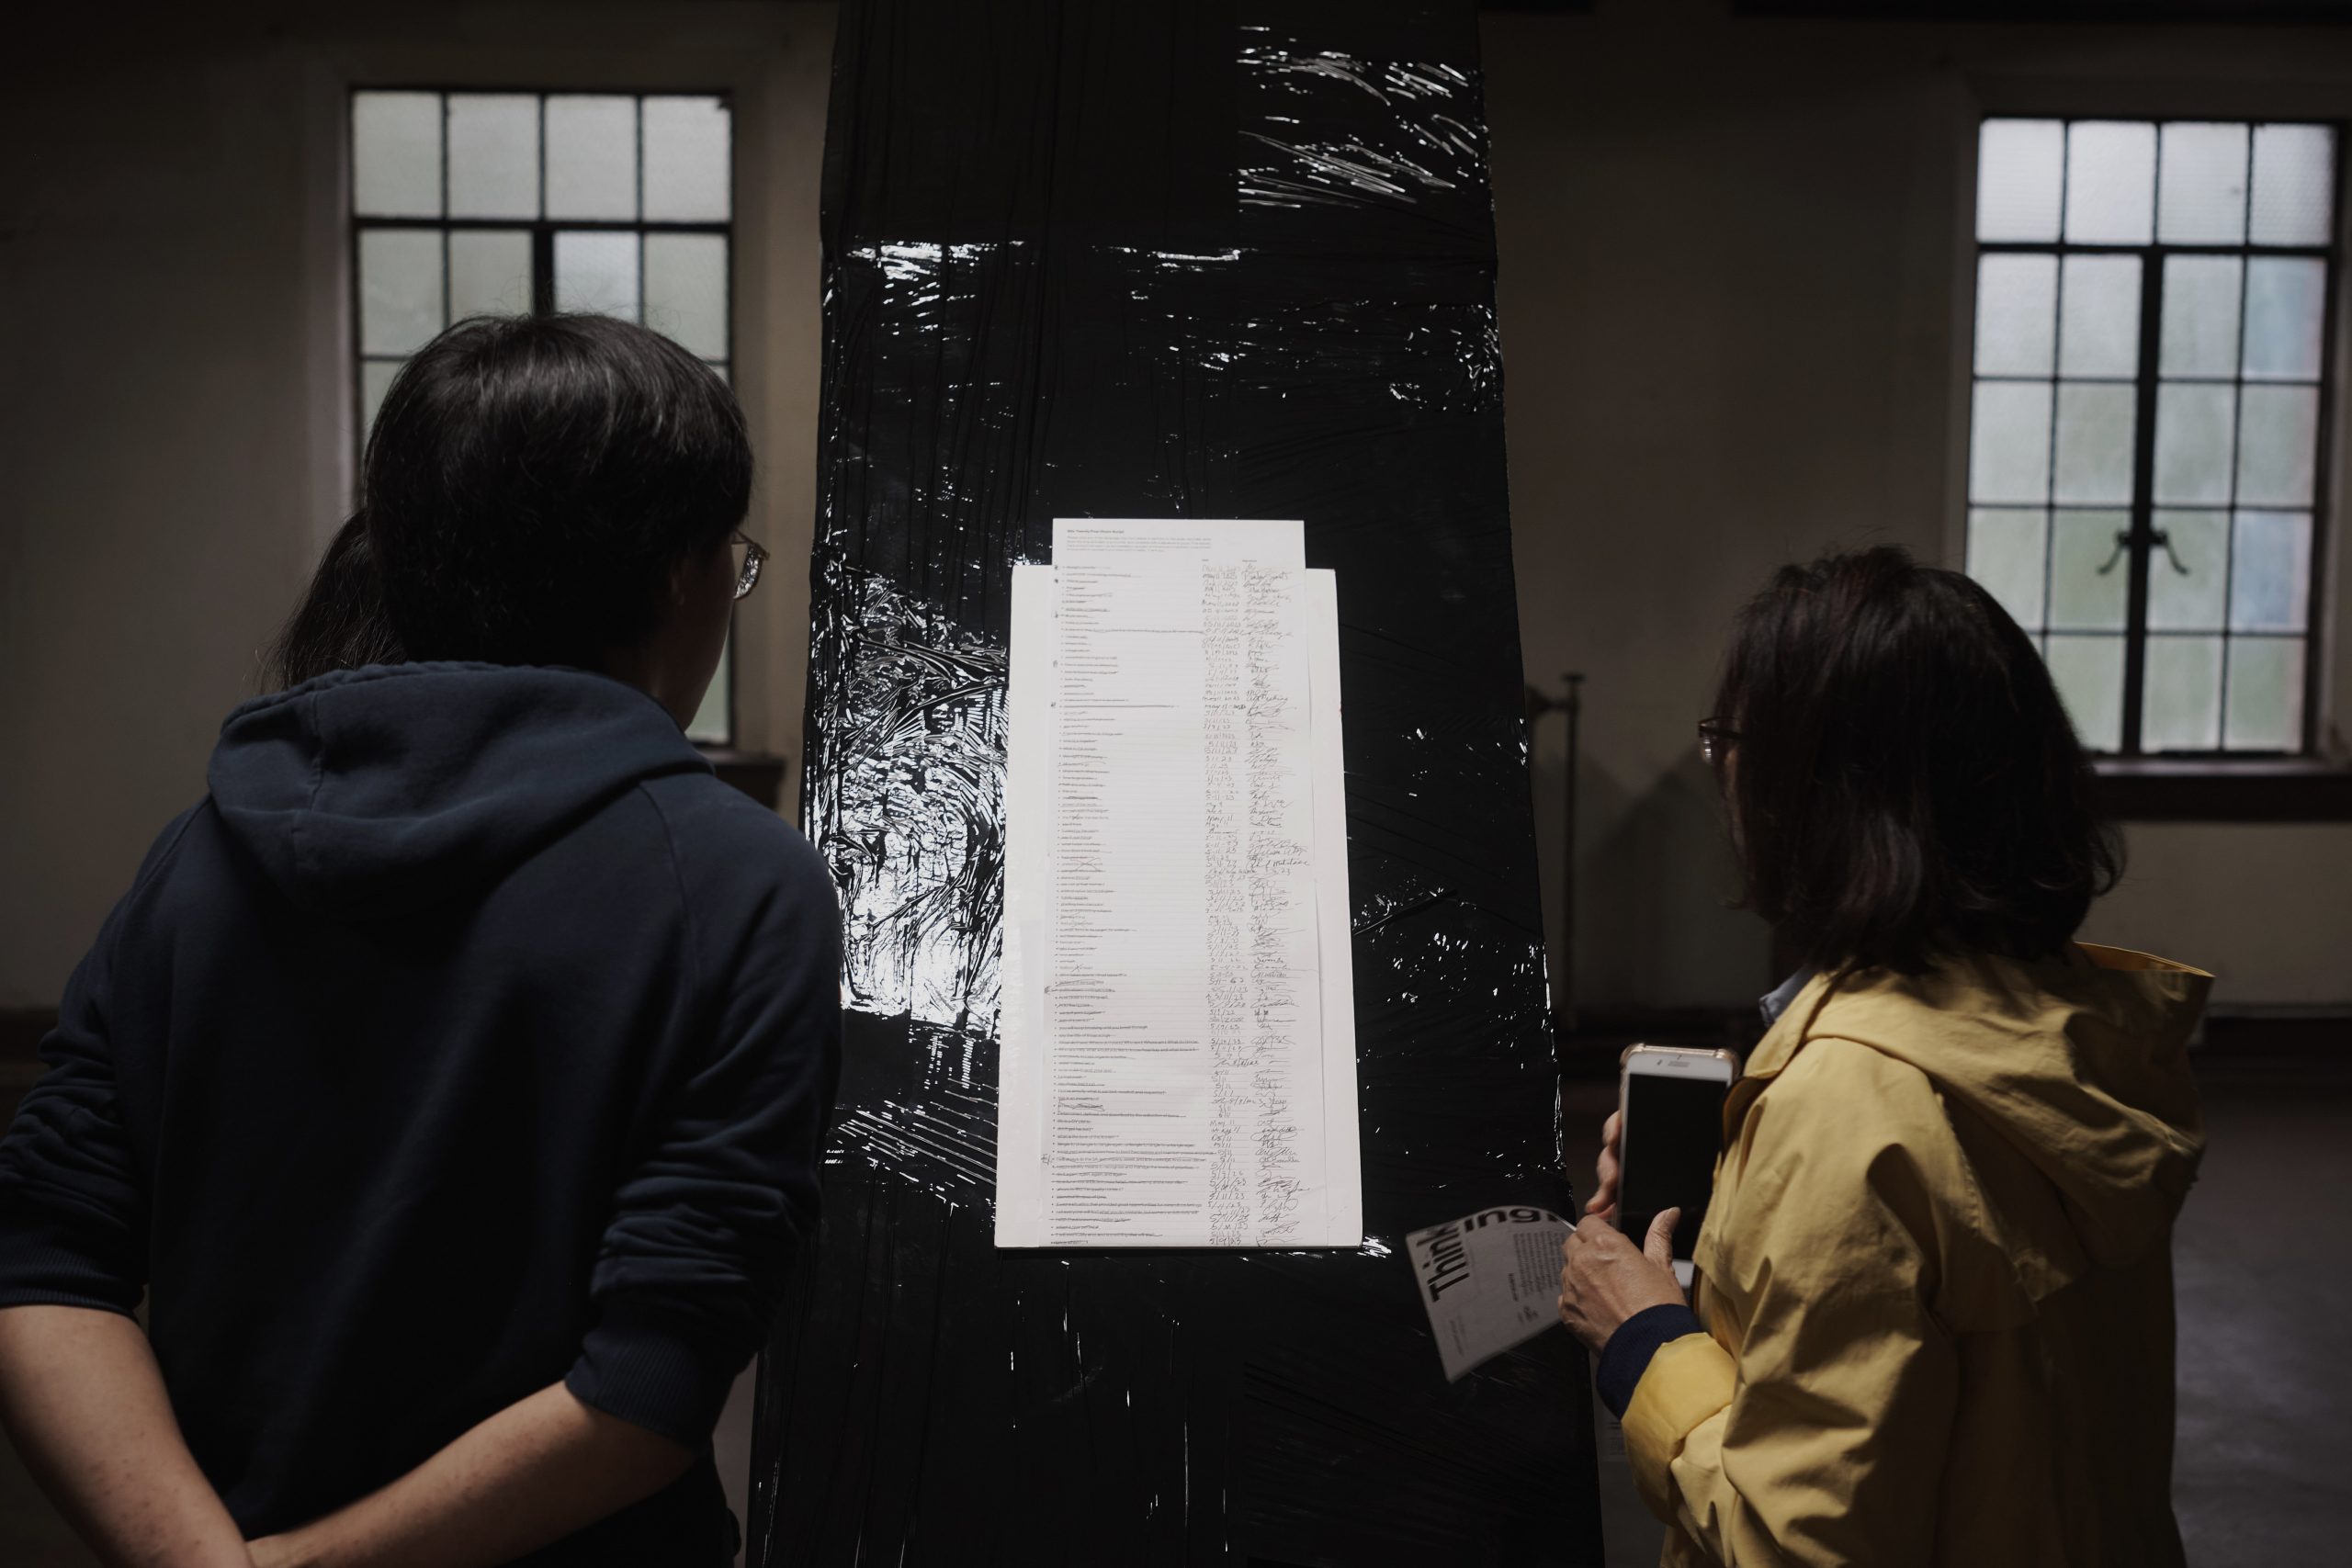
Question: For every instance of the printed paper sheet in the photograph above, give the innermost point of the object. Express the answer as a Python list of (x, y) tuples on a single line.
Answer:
[(1178, 1061)]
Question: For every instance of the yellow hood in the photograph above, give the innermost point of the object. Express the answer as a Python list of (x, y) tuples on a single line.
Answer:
[(2078, 1068)]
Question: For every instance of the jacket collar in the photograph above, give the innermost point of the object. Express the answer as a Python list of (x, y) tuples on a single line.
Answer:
[(1798, 1021)]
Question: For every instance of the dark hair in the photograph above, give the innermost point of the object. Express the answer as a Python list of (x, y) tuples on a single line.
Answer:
[(532, 481), (1902, 780), (340, 623)]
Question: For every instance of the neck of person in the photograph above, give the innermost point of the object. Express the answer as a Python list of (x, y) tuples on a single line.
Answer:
[(662, 679)]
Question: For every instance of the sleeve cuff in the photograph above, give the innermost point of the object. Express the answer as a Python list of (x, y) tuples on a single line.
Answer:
[(48, 1258), (1689, 1380), (1627, 1355), (652, 1371)]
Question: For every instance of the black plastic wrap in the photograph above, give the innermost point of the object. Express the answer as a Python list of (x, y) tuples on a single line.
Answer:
[(1161, 258)]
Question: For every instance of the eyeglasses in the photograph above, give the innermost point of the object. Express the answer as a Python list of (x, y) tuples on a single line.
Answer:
[(755, 555), (1715, 738)]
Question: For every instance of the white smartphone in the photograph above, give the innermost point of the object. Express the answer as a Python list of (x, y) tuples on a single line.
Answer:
[(1670, 1104)]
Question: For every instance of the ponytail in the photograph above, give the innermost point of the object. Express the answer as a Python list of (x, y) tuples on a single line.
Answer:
[(341, 622)]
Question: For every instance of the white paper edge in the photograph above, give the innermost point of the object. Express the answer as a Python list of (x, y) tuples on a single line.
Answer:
[(1342, 1154), (1271, 541), (1020, 1197)]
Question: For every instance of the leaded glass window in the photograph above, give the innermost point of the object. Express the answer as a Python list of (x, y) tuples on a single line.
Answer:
[(2147, 461)]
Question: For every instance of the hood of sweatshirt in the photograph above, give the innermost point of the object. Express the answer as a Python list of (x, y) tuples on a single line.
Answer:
[(386, 790), (2077, 1068)]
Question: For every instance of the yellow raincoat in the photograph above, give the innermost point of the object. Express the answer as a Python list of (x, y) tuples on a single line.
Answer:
[(1936, 1277)]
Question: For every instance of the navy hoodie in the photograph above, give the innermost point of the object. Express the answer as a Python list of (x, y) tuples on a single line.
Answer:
[(469, 1036)]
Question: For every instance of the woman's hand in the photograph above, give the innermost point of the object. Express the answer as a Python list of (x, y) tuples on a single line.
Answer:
[(1603, 1201), (1604, 1279)]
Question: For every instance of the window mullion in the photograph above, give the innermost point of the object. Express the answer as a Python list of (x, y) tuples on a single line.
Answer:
[(542, 270), (2143, 471)]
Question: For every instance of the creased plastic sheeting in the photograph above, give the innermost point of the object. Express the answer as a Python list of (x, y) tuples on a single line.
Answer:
[(1156, 259), (905, 796), (1429, 148)]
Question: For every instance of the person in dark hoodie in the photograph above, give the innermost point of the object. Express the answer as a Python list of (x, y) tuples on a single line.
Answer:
[(449, 1083)]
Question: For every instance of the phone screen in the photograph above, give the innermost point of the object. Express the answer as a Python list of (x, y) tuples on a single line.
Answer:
[(1673, 1133)]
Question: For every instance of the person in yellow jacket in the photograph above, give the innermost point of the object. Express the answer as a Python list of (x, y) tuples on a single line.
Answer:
[(1934, 1319)]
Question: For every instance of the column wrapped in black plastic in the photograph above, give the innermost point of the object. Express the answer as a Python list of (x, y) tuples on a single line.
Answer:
[(1161, 258)]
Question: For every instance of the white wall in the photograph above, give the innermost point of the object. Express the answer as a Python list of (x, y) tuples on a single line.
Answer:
[(2266, 907), (176, 440), (1735, 318)]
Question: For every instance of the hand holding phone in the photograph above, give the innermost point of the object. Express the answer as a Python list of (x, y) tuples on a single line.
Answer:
[(1607, 1279), (1662, 1144)]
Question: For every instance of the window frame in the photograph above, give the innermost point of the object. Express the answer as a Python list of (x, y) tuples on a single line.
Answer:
[(542, 230), (2243, 787), (2140, 543)]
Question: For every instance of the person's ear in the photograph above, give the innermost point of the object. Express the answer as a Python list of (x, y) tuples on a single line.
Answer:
[(681, 570)]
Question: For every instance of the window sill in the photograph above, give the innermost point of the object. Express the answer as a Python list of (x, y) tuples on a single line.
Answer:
[(2204, 790), (757, 774)]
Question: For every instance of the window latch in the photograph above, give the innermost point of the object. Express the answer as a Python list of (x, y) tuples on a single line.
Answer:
[(2153, 537)]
